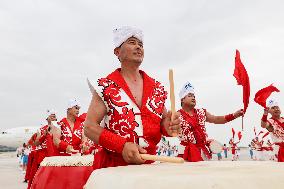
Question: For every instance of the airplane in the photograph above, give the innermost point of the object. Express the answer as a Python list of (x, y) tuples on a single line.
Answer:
[(15, 137)]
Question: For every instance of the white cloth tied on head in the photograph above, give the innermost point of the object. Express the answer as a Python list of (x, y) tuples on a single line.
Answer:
[(185, 90), (120, 35), (50, 112), (72, 103), (271, 103)]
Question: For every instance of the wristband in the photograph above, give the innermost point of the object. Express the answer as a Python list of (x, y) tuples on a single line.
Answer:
[(112, 141), (264, 118), (229, 117)]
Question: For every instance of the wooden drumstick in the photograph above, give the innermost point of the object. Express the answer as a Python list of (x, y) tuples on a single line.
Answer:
[(172, 95), (162, 158)]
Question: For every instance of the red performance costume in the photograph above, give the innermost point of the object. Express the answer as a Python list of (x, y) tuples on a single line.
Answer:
[(126, 121), (31, 156), (44, 149), (193, 135), (194, 144), (69, 136), (277, 133), (277, 136)]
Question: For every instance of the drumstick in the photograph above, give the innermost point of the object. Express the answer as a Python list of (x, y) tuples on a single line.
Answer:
[(172, 95), (162, 158)]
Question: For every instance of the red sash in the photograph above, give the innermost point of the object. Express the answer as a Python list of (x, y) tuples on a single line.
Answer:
[(193, 151)]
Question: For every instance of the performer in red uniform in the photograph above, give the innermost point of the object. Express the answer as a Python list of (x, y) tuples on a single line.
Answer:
[(31, 156), (275, 125), (72, 138), (44, 143), (193, 136), (234, 148), (132, 105)]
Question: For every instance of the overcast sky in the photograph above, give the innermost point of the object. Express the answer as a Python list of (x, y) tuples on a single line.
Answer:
[(48, 49)]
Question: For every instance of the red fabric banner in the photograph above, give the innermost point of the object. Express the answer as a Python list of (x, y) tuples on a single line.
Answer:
[(241, 75)]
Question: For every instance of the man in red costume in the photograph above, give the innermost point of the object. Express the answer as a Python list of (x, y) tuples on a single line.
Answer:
[(127, 114), (31, 157), (275, 125), (72, 139), (44, 143), (193, 136), (234, 149)]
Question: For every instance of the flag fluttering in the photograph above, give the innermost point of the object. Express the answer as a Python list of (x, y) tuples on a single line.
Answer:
[(233, 131), (240, 135), (241, 75)]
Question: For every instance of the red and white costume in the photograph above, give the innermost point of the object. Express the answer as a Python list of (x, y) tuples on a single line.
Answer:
[(140, 125), (44, 149), (234, 148), (69, 136), (277, 137), (193, 136), (31, 156)]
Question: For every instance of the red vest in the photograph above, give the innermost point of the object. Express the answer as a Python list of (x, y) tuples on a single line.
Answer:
[(72, 137), (278, 137), (193, 135), (278, 130), (125, 117), (193, 127), (43, 130)]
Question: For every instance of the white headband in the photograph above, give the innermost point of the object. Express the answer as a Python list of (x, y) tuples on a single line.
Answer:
[(50, 112), (120, 35), (72, 103), (271, 103), (185, 90)]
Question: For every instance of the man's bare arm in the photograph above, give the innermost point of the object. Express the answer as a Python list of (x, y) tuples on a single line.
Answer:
[(264, 123), (222, 119), (96, 112)]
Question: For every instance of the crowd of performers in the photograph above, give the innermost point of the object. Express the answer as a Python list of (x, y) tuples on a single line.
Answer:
[(261, 149), (127, 117), (57, 138)]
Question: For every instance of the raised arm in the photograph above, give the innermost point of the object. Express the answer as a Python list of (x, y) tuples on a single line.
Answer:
[(264, 122), (38, 136), (223, 119)]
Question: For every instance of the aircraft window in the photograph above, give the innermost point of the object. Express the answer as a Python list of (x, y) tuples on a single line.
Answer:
[(4, 132)]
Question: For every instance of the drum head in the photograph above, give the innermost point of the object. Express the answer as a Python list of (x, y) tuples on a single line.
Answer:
[(215, 147)]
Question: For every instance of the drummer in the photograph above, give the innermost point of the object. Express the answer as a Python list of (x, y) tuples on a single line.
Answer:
[(132, 105), (193, 136)]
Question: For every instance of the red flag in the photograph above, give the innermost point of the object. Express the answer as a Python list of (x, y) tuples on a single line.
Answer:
[(240, 135), (233, 131), (262, 95), (241, 75)]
